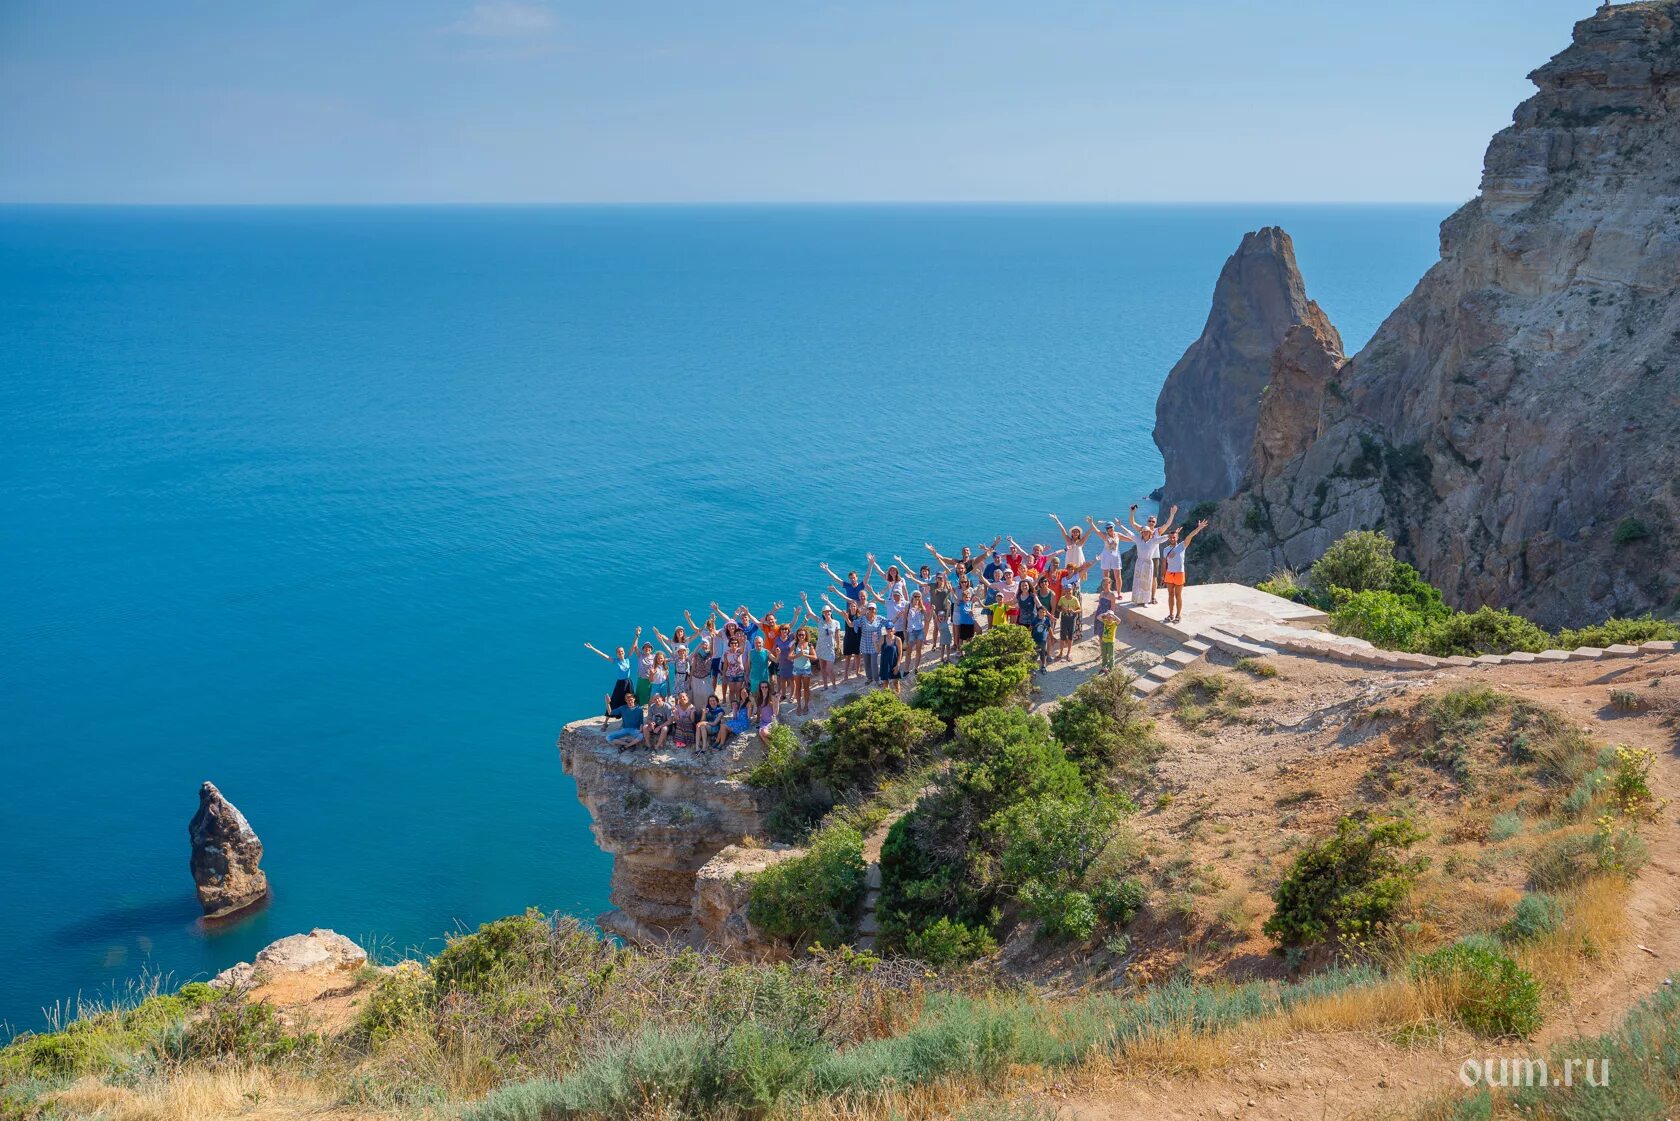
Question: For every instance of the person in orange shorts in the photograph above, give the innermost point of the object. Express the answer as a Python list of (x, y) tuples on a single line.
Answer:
[(1173, 554)]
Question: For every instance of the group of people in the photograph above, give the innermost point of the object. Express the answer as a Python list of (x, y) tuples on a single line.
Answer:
[(745, 667)]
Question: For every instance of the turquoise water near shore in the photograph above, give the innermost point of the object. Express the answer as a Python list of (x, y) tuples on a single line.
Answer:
[(320, 504)]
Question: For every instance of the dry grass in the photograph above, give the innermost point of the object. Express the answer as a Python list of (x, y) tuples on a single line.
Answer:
[(247, 1093), (1595, 918)]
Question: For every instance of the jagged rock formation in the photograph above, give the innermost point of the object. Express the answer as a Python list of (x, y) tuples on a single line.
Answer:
[(225, 856), (319, 953), (721, 889), (1205, 417), (1515, 423), (1291, 412), (662, 816)]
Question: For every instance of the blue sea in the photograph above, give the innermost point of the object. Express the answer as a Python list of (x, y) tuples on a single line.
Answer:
[(321, 504)]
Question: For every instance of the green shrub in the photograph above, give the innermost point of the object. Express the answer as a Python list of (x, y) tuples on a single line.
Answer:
[(507, 948), (993, 669), (874, 735), (923, 877), (402, 998), (1382, 618), (1612, 632), (1483, 631), (1007, 755), (1629, 530), (784, 764), (1492, 995), (1424, 598), (102, 1041), (1013, 819), (1360, 561), (1061, 912), (1105, 731), (1348, 886), (1119, 900), (1285, 584), (1047, 844), (1536, 914), (946, 942), (811, 898)]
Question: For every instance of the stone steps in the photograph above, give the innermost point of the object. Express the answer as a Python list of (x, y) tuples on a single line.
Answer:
[(1237, 647)]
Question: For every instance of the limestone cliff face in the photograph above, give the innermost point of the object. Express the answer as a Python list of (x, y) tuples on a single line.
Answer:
[(721, 891), (1205, 417), (1515, 423), (1291, 414), (663, 817)]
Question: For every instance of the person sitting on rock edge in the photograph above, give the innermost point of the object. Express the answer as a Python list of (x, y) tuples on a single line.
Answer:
[(628, 734)]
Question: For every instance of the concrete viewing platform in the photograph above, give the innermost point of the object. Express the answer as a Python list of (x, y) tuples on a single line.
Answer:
[(1230, 608)]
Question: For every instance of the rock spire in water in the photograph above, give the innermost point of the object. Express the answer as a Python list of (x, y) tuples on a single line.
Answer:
[(225, 856)]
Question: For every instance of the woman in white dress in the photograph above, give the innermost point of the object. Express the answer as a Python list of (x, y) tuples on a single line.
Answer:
[(1148, 538)]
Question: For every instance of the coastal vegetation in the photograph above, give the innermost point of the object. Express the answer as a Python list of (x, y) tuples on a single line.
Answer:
[(1372, 595), (1398, 916)]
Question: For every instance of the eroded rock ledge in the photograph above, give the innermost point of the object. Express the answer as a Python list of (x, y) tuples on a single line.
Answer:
[(664, 816)]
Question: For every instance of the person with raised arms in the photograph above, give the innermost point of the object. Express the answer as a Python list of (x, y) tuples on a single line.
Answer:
[(624, 687), (1173, 554), (827, 648), (1073, 545), (1113, 538), (1148, 542), (851, 588)]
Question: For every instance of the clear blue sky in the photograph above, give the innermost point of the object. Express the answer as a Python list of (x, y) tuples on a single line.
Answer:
[(716, 100)]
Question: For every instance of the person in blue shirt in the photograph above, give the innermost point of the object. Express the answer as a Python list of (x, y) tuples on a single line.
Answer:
[(869, 633), (962, 608), (625, 687), (851, 587), (629, 732)]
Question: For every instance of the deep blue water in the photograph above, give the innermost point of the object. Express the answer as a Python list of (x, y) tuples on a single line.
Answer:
[(320, 504)]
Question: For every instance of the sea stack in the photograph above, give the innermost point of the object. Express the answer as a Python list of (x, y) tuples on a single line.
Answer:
[(1208, 411), (225, 856)]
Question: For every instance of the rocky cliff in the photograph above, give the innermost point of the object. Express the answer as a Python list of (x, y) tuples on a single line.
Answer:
[(1205, 418), (662, 816), (1515, 422)]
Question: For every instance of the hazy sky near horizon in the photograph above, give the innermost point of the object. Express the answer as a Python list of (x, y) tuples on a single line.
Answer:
[(340, 101)]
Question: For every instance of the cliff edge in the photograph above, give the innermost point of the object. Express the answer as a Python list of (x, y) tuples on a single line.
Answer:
[(1515, 423), (662, 815)]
